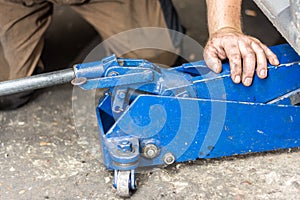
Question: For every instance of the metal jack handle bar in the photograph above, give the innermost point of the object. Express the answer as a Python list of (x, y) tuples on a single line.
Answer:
[(93, 71), (36, 82)]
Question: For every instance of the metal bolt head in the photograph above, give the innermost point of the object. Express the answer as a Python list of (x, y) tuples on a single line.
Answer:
[(169, 158), (150, 151), (121, 94), (125, 146)]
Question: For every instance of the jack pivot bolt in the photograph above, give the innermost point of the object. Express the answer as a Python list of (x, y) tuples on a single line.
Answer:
[(125, 146), (121, 94), (150, 151)]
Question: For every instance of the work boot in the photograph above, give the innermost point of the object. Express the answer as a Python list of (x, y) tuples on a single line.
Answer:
[(10, 102)]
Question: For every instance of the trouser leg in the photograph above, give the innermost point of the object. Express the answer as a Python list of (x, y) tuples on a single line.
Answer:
[(22, 26), (4, 71), (112, 18)]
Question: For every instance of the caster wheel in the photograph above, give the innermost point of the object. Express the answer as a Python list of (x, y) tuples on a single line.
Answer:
[(125, 183)]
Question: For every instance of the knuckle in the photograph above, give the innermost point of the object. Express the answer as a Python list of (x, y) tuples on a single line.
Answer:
[(209, 45), (261, 65), (260, 51), (235, 71), (255, 40), (248, 72), (208, 50), (235, 56), (263, 46), (235, 66), (250, 55), (222, 56), (273, 56)]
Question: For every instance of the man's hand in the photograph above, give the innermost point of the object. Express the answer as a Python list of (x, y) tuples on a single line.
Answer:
[(245, 54)]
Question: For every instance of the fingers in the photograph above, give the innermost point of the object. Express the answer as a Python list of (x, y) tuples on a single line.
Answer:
[(272, 58), (245, 54), (212, 59), (249, 62), (261, 69), (234, 57)]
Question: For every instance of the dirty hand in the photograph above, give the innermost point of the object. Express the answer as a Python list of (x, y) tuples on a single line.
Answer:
[(245, 54)]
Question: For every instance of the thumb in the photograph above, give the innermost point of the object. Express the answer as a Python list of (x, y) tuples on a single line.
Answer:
[(212, 61)]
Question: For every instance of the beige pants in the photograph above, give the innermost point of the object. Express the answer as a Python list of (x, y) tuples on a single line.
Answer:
[(24, 22)]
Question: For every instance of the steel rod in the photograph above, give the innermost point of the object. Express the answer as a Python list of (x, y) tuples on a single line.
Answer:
[(36, 82)]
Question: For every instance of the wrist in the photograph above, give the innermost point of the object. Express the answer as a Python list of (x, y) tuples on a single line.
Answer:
[(226, 29)]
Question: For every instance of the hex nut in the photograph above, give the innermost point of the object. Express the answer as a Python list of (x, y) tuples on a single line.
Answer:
[(125, 146), (150, 151), (169, 158)]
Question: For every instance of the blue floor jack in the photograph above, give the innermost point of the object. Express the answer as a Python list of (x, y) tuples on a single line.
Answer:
[(151, 116)]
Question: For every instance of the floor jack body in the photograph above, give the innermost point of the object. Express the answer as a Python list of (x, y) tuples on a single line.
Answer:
[(151, 116)]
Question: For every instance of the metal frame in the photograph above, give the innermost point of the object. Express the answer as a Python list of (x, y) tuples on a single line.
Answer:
[(153, 116)]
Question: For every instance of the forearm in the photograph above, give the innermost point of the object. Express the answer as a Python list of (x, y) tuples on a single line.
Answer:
[(223, 14)]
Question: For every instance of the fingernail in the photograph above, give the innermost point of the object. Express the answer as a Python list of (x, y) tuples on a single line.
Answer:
[(263, 73), (276, 61), (248, 81), (237, 79)]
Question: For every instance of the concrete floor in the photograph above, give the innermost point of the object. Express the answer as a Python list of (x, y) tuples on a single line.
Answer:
[(43, 155)]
